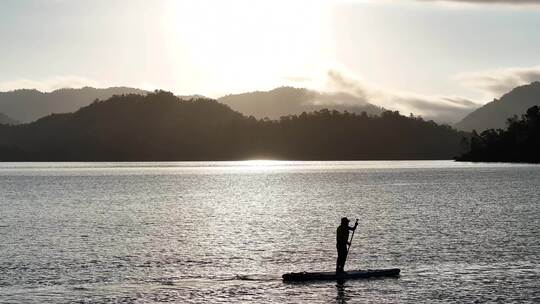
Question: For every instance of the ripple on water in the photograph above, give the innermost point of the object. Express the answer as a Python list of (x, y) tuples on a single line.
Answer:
[(139, 233)]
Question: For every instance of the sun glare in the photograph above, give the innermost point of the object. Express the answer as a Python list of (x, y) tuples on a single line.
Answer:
[(242, 44), (261, 162)]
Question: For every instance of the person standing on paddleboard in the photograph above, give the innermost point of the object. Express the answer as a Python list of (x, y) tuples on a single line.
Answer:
[(342, 240)]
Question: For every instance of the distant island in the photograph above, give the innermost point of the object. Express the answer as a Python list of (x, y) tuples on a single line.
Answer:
[(159, 126), (520, 142)]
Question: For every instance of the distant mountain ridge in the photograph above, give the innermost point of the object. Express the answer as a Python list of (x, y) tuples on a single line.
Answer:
[(26, 105), (495, 114), (285, 101)]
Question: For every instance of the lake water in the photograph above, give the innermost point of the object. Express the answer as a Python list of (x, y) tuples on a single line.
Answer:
[(224, 232)]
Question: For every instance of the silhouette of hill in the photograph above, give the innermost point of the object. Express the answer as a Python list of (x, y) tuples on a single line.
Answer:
[(494, 114), (6, 120), (520, 142), (28, 105), (161, 126), (287, 101)]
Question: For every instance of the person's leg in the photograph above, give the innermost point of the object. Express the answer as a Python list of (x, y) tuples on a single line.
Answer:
[(338, 260), (342, 253)]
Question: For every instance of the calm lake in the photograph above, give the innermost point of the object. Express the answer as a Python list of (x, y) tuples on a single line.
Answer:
[(224, 232)]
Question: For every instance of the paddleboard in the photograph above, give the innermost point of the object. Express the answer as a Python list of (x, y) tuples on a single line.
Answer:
[(349, 275)]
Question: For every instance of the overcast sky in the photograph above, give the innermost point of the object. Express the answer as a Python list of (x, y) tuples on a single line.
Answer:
[(396, 53)]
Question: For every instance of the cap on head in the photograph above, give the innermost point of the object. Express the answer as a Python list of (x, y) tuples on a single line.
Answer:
[(344, 220)]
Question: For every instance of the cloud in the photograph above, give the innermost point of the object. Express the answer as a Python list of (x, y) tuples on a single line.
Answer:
[(336, 98), (494, 83), (49, 84), (439, 108)]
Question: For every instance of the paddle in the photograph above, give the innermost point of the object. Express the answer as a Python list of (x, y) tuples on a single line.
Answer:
[(350, 242)]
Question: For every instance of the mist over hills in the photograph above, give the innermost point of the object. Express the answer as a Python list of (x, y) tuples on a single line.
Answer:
[(495, 114), (28, 105), (285, 101), (6, 120), (161, 126)]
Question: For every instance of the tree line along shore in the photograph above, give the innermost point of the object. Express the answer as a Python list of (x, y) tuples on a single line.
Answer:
[(159, 126)]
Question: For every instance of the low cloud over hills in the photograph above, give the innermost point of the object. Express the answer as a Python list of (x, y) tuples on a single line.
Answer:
[(444, 109), (494, 83)]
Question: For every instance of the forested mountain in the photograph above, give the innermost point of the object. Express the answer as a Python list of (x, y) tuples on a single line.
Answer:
[(494, 114), (6, 120), (29, 105), (520, 142), (161, 126), (285, 101)]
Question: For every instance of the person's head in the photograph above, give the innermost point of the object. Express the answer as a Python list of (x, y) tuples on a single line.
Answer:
[(344, 221)]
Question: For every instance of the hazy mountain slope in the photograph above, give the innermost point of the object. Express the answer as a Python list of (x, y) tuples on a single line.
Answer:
[(28, 105), (6, 120), (287, 100), (495, 114)]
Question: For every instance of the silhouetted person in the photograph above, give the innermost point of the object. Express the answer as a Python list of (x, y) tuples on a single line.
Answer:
[(342, 240)]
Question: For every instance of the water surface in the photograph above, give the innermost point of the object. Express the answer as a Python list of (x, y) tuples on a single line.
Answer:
[(221, 232)]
